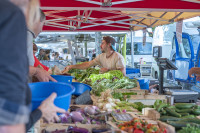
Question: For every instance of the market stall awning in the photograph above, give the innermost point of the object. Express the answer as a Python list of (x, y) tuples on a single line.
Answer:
[(115, 15)]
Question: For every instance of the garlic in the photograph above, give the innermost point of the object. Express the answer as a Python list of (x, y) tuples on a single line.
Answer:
[(108, 106)]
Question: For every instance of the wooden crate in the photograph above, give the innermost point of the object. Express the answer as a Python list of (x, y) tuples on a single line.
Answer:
[(135, 90), (169, 128), (151, 113), (54, 126), (147, 99)]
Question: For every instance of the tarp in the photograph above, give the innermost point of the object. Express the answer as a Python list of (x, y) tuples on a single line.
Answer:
[(115, 15)]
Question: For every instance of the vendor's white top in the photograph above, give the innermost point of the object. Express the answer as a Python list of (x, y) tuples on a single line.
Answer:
[(116, 61)]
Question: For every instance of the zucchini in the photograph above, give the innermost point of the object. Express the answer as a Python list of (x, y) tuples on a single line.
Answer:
[(161, 106), (184, 105), (196, 111), (191, 120), (163, 112), (196, 107), (184, 114), (169, 118), (184, 110), (172, 112), (171, 107), (189, 116), (180, 124)]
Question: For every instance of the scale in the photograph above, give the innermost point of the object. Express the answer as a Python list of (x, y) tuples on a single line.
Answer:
[(183, 96), (171, 89)]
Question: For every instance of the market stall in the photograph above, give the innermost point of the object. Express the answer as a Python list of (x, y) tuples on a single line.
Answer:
[(110, 101)]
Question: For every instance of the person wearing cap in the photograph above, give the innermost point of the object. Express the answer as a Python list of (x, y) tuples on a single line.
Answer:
[(108, 60)]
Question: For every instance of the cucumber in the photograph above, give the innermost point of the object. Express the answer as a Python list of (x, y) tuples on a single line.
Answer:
[(191, 120), (196, 107), (163, 112), (172, 112), (189, 116), (180, 124), (184, 114), (184, 105), (161, 106), (171, 107), (169, 118), (184, 110), (196, 111)]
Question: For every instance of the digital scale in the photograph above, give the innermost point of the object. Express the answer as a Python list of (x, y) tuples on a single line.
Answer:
[(183, 96), (179, 95)]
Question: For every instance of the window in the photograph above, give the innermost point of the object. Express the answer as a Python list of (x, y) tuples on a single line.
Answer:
[(195, 41), (184, 50), (139, 49)]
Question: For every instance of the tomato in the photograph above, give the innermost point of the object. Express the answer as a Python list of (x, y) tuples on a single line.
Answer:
[(149, 126), (154, 127), (137, 125), (138, 131), (150, 131), (130, 130), (164, 130)]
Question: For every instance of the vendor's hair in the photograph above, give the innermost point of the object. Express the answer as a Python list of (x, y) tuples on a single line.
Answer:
[(109, 39), (34, 13)]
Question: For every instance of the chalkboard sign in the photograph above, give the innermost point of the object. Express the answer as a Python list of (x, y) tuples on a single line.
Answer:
[(84, 99), (122, 117)]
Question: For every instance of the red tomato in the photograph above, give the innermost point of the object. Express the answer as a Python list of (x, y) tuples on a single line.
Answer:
[(137, 125), (149, 126), (138, 131)]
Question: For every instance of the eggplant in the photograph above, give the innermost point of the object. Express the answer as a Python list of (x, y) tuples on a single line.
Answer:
[(65, 118), (77, 116), (72, 129)]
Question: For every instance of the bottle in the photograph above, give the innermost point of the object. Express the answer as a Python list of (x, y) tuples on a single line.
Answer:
[(141, 60)]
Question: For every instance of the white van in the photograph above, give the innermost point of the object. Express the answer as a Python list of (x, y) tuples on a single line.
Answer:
[(140, 50), (164, 36)]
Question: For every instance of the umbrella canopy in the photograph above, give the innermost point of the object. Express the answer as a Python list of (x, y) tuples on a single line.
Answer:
[(115, 15)]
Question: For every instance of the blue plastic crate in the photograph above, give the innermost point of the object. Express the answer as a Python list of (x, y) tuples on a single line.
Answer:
[(63, 79), (132, 70)]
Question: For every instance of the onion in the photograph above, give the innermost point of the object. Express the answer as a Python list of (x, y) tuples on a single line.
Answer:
[(76, 116), (89, 110)]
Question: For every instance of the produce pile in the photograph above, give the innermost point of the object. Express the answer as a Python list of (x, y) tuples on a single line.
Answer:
[(140, 126), (112, 84), (83, 75), (106, 102), (100, 82), (180, 115), (88, 115)]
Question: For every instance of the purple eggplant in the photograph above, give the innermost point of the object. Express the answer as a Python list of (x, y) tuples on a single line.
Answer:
[(65, 118), (77, 130), (76, 116)]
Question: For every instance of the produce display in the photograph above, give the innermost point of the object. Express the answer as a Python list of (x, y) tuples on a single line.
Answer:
[(87, 115), (104, 84), (180, 115), (139, 126), (70, 129), (106, 102)]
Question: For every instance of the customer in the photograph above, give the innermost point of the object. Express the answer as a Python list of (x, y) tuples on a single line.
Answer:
[(108, 60), (195, 71), (41, 54), (34, 28), (37, 63), (14, 111), (47, 109)]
